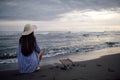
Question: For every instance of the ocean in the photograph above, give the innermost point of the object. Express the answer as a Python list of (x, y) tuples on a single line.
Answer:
[(58, 43)]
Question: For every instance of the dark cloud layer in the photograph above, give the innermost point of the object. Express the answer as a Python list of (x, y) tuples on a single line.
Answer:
[(50, 9)]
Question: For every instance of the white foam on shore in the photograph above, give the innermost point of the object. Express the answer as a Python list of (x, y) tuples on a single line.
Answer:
[(82, 56), (6, 61), (95, 54)]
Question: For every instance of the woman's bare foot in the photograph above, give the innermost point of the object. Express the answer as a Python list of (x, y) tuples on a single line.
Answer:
[(38, 68)]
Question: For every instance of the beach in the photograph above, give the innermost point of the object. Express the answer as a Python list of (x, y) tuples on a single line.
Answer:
[(95, 65), (66, 39)]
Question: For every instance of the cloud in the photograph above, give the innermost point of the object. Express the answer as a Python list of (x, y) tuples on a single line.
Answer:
[(46, 10)]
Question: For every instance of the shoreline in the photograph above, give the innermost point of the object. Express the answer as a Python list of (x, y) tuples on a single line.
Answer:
[(100, 65), (74, 57)]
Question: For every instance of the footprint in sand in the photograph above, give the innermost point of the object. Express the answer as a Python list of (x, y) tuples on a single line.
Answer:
[(51, 68), (42, 75), (99, 65), (110, 70), (74, 79), (82, 65), (81, 78)]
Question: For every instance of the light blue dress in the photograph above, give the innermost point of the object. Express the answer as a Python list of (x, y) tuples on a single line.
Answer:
[(28, 64)]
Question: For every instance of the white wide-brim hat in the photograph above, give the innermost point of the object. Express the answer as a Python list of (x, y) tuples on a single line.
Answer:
[(28, 28)]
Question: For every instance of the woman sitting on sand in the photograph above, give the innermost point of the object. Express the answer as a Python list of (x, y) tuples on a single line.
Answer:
[(29, 54)]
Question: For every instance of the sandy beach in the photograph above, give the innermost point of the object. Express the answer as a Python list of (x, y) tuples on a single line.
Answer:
[(96, 65)]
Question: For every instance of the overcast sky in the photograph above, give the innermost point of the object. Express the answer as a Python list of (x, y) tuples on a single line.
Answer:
[(60, 15)]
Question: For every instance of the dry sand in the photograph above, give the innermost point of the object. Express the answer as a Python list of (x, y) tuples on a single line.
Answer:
[(97, 65)]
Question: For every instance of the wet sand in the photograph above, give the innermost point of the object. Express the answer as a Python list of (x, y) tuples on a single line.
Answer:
[(97, 65)]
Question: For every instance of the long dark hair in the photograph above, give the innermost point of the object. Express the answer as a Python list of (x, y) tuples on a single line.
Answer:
[(27, 44)]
